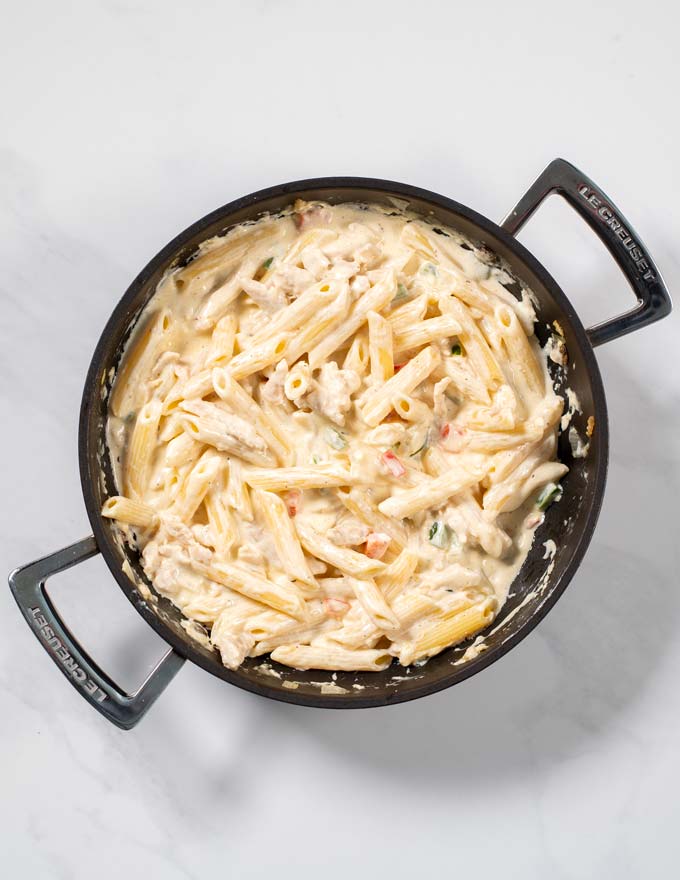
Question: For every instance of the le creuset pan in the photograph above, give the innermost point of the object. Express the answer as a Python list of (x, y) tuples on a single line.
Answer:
[(540, 583)]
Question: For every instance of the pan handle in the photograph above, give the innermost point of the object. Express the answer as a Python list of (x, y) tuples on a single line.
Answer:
[(28, 587), (612, 228)]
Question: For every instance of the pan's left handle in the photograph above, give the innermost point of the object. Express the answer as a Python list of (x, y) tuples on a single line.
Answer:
[(28, 587)]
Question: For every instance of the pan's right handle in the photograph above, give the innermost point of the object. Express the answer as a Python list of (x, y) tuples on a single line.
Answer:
[(28, 586), (612, 228)]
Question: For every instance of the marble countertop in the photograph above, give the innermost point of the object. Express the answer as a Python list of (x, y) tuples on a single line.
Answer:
[(124, 122)]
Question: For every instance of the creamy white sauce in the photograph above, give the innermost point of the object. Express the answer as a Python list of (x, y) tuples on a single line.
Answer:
[(344, 253)]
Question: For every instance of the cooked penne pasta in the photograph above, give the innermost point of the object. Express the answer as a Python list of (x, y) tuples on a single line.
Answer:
[(311, 657), (228, 389), (424, 332), (142, 448), (449, 629), (405, 381), (427, 494), (380, 348), (129, 511), (283, 479), (278, 522), (347, 561), (373, 300), (332, 435)]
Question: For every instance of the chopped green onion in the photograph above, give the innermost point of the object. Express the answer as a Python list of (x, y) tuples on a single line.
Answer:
[(267, 264), (334, 438), (439, 534), (315, 459), (551, 492), (423, 446), (457, 349), (401, 294), (430, 268)]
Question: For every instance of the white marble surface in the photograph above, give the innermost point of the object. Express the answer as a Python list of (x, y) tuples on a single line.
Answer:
[(125, 121)]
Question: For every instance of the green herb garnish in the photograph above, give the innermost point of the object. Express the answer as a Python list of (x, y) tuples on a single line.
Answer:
[(439, 534), (334, 438), (457, 349), (551, 492)]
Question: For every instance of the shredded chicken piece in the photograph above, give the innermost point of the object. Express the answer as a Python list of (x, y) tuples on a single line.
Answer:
[(332, 391), (349, 532), (272, 390), (268, 297)]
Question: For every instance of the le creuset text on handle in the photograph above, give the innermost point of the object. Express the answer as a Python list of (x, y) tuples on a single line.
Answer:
[(28, 587), (611, 227)]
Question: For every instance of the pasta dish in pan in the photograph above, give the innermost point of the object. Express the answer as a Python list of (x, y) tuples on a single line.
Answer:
[(335, 434)]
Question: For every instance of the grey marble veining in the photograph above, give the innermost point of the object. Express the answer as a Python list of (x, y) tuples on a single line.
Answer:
[(124, 122)]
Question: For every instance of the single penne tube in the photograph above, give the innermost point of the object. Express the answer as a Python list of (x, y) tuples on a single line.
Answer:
[(365, 510), (411, 409), (236, 494), (222, 342), (127, 510), (221, 520), (379, 403), (424, 332), (257, 357), (273, 511), (199, 480), (312, 657), (380, 348), (374, 604), (347, 561), (182, 450), (393, 580), (373, 300), (527, 374), (156, 334), (492, 441), (431, 493), (449, 630), (358, 355), (298, 381), (286, 599), (228, 390), (322, 476), (142, 447)]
